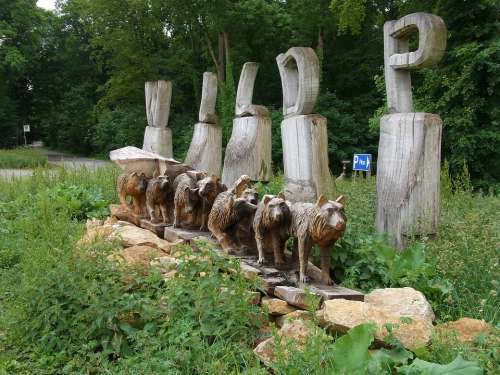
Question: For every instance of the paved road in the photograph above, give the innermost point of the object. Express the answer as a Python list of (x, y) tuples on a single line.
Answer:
[(60, 159), (75, 162)]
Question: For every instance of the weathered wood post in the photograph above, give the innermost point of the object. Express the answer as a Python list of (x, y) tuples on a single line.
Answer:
[(249, 149), (157, 136), (303, 134), (205, 151), (409, 151)]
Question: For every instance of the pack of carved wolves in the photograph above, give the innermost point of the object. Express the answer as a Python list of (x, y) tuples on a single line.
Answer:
[(235, 217)]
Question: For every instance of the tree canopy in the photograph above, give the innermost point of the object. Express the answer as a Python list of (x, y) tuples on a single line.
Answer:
[(77, 74)]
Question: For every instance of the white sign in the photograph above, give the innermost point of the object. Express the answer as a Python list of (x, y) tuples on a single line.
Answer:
[(26, 128)]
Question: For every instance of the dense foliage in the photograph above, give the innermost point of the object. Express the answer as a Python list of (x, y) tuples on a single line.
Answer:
[(77, 74)]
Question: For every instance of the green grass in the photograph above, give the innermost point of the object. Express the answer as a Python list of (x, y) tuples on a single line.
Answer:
[(66, 310), (465, 251), (22, 158)]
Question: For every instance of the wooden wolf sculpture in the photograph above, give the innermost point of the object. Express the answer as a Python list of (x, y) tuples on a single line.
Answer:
[(186, 197), (195, 193), (230, 208), (322, 224), (133, 185), (242, 231), (208, 190), (271, 226), (160, 194)]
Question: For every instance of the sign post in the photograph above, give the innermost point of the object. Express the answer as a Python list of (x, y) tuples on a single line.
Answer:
[(26, 129), (363, 163)]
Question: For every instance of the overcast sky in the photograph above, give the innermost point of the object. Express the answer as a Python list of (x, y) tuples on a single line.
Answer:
[(47, 4)]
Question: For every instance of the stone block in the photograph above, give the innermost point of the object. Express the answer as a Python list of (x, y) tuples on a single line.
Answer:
[(156, 228), (293, 296), (175, 234), (276, 306), (268, 284), (327, 292)]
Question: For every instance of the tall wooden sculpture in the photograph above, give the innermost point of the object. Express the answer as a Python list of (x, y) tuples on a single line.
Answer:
[(304, 135), (158, 137), (205, 151), (409, 151), (249, 149)]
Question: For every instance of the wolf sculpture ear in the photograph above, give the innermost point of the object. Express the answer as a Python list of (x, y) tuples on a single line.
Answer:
[(241, 184), (192, 174), (321, 200), (340, 200), (266, 199), (281, 195)]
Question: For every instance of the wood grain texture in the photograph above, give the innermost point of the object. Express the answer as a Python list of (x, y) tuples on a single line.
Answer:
[(208, 99), (398, 60), (158, 140), (305, 157), (408, 172), (299, 71), (158, 96), (249, 150), (205, 151), (244, 95)]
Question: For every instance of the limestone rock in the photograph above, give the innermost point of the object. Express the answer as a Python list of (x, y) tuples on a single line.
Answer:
[(165, 263), (276, 306), (341, 315), (297, 314), (294, 296), (465, 329), (131, 235), (248, 271), (95, 232), (297, 331), (402, 301), (136, 255), (93, 223)]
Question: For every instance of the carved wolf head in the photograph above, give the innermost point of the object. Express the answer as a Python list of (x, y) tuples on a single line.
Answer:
[(210, 187), (250, 195), (139, 181), (330, 221), (276, 208)]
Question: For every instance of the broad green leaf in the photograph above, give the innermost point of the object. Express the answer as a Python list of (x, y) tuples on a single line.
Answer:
[(350, 352), (458, 366)]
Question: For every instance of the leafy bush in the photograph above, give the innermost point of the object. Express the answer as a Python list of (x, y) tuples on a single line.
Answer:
[(22, 158), (369, 263), (81, 203)]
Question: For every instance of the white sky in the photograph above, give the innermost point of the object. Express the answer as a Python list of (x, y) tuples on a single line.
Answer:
[(47, 4)]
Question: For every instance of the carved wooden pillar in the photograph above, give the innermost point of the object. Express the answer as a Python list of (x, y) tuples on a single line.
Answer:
[(409, 152), (304, 135), (205, 151), (157, 136), (249, 149)]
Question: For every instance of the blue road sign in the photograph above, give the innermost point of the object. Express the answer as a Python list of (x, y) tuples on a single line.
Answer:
[(362, 162)]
